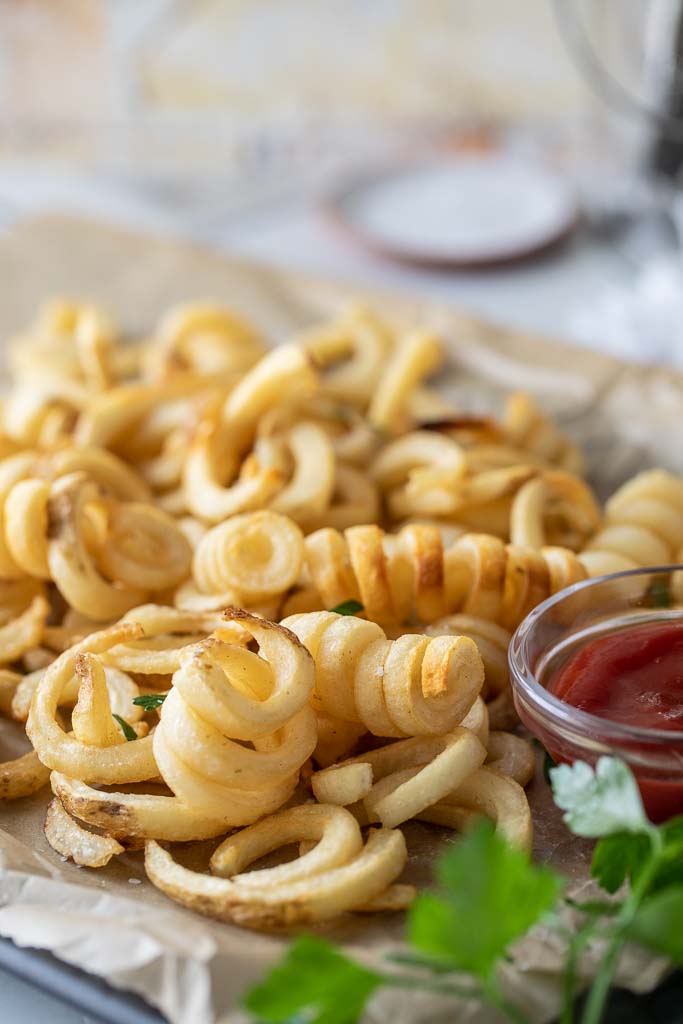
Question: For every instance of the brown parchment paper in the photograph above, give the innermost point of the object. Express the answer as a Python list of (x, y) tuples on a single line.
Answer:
[(113, 923)]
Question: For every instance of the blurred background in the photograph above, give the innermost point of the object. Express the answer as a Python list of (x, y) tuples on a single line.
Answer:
[(247, 124)]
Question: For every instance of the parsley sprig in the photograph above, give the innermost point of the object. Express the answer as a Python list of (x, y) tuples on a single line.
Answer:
[(489, 895), (150, 701), (125, 727), (605, 804), (350, 607)]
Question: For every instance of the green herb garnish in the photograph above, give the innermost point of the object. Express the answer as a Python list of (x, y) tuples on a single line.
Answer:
[(348, 608), (658, 595), (150, 701), (605, 804), (127, 729), (489, 895), (314, 976)]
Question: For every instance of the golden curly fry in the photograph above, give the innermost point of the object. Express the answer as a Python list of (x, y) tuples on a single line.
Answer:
[(351, 353), (409, 576), (166, 634), (338, 875), (512, 756), (203, 338), (418, 453), (71, 348), (218, 481), (492, 643), (526, 427), (336, 738), (388, 784), (249, 558), (415, 357), (104, 557), (222, 695), (23, 633), (553, 501), (22, 776), (64, 752), (143, 547), (407, 687), (310, 487), (69, 839), (487, 792), (643, 525)]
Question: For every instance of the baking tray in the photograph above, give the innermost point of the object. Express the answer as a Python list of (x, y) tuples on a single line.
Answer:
[(85, 992)]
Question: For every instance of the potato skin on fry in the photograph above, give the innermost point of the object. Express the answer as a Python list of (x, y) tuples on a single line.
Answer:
[(307, 901), (69, 839), (22, 777)]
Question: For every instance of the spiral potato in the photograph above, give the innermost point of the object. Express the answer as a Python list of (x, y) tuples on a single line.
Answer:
[(247, 560), (410, 577), (75, 514), (203, 338), (71, 346), (554, 502), (234, 731), (350, 352), (64, 752), (140, 545), (339, 874), (24, 775), (526, 427), (416, 356), (492, 643), (643, 525), (406, 687)]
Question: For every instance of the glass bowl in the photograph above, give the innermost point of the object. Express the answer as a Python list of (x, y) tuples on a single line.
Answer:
[(553, 632)]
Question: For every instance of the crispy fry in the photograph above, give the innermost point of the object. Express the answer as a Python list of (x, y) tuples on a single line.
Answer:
[(303, 893), (490, 793), (22, 776), (131, 762), (407, 687), (69, 839)]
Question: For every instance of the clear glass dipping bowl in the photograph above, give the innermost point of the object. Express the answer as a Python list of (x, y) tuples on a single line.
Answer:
[(553, 632)]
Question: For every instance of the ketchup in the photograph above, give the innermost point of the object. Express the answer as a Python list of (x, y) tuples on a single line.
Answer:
[(633, 676)]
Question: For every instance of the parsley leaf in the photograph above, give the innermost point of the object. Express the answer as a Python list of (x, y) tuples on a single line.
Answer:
[(619, 857), (490, 895), (316, 978), (150, 701), (670, 869), (658, 923), (657, 595), (350, 607), (600, 801), (127, 730)]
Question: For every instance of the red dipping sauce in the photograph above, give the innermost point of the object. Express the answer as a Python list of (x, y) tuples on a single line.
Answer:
[(633, 676)]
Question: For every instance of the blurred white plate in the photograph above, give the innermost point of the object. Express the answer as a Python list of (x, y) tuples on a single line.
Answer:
[(466, 211)]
